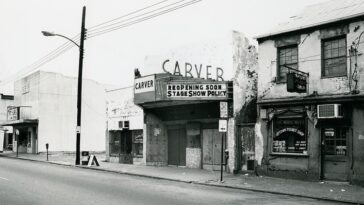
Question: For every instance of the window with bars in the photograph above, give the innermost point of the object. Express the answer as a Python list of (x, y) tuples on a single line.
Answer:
[(287, 56), (335, 141), (334, 57)]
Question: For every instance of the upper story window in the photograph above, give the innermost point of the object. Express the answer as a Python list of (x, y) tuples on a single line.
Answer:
[(334, 60), (287, 56)]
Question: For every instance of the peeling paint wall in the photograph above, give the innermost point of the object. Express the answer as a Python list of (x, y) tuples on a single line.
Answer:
[(309, 54), (310, 61), (245, 66)]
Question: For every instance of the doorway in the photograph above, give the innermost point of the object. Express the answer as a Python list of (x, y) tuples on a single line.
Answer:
[(247, 146), (177, 147), (211, 149), (334, 157)]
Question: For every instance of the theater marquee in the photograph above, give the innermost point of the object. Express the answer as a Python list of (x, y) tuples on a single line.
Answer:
[(200, 91)]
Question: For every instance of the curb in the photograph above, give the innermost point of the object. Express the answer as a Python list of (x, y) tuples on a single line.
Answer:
[(189, 182)]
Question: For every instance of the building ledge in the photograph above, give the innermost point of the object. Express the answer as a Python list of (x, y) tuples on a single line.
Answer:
[(311, 99), (20, 122)]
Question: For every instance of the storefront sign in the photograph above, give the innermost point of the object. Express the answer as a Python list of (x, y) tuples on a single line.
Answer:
[(295, 130), (193, 70), (144, 84), (193, 91), (296, 82), (13, 113)]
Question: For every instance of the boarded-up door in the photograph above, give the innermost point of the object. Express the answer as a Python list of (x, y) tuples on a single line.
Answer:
[(211, 149), (177, 147)]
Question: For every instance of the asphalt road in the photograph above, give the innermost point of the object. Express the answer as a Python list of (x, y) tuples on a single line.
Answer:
[(26, 182)]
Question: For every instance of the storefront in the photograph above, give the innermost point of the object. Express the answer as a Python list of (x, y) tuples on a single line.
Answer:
[(124, 135), (182, 120), (313, 139)]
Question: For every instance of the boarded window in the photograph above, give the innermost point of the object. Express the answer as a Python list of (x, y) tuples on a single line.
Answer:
[(287, 57), (334, 57)]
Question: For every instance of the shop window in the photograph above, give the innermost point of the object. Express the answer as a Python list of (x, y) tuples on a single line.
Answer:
[(287, 56), (138, 142), (114, 145), (335, 141), (334, 57), (290, 136)]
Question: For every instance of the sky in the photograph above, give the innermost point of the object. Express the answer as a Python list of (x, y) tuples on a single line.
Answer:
[(110, 58)]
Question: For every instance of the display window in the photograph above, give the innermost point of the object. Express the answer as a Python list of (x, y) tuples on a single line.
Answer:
[(289, 135)]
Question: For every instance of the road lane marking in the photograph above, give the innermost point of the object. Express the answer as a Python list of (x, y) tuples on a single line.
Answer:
[(4, 179)]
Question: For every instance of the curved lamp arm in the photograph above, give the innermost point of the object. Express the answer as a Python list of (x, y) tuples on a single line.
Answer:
[(46, 33)]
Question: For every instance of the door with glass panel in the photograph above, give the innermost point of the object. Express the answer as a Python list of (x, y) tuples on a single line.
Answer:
[(334, 151)]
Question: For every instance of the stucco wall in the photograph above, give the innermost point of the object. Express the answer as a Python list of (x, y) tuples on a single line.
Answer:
[(358, 144), (309, 54), (53, 98)]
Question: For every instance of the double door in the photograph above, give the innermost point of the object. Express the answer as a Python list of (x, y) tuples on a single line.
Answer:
[(211, 149)]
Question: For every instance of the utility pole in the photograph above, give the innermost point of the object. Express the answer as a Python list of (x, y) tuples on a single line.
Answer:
[(79, 88)]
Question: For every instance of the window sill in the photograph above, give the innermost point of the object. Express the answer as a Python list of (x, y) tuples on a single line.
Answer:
[(334, 76), (289, 154), (137, 156)]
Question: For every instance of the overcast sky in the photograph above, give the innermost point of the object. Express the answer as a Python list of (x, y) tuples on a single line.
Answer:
[(112, 57)]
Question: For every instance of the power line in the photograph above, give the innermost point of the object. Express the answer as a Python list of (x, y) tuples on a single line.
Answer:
[(45, 59), (114, 26), (134, 17), (142, 19), (131, 13)]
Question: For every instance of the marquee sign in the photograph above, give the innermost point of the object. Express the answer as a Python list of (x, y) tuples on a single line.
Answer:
[(192, 91), (144, 84)]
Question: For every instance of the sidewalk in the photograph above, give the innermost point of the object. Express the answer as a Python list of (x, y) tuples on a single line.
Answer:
[(331, 191)]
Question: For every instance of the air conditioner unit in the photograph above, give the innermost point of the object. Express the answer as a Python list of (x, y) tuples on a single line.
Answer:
[(327, 111), (124, 124)]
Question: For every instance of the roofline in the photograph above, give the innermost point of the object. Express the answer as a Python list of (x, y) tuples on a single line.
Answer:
[(264, 36)]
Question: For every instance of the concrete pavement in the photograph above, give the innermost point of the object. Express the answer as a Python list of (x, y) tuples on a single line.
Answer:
[(26, 182), (336, 192)]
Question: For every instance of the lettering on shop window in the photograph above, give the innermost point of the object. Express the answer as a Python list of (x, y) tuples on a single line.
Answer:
[(289, 136)]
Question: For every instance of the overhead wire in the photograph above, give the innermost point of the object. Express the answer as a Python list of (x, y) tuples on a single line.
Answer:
[(107, 27), (128, 14), (104, 27), (92, 35), (45, 59)]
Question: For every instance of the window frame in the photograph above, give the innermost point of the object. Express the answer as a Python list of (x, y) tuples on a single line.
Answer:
[(278, 71), (323, 76)]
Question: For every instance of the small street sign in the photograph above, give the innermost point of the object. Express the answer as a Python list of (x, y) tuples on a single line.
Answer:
[(78, 129), (224, 109), (222, 125)]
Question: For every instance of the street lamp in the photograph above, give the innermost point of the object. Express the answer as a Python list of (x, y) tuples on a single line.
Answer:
[(79, 84)]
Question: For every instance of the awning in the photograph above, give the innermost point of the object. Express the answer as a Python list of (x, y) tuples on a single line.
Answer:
[(21, 122)]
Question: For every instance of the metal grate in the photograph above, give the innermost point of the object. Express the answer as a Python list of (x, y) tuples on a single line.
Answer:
[(326, 110)]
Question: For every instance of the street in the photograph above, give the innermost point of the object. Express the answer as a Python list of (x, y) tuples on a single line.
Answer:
[(25, 182)]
